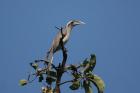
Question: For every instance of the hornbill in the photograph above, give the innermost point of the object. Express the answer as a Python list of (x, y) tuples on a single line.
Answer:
[(56, 46)]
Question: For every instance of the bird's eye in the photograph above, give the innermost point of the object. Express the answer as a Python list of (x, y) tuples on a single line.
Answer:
[(72, 22)]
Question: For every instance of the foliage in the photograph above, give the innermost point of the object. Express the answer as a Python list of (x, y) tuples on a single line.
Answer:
[(82, 76), (23, 82)]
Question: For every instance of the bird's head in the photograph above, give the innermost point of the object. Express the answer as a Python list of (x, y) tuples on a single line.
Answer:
[(73, 23)]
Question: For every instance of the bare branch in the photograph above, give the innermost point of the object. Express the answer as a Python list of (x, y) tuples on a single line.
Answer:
[(60, 71), (57, 28), (46, 62), (66, 82)]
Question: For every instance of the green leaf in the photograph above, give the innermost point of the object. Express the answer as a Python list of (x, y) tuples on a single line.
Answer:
[(40, 78), (90, 75), (51, 77), (87, 87), (88, 90), (92, 61), (98, 82), (85, 62), (73, 67), (76, 75), (23, 82), (75, 85), (34, 65), (92, 57), (89, 65), (51, 73)]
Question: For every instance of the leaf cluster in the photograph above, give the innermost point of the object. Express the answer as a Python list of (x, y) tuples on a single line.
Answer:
[(82, 74)]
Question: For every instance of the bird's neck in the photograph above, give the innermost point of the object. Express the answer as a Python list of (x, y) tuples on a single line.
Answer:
[(69, 28)]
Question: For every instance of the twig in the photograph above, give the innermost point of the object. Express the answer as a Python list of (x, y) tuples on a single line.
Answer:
[(76, 66), (58, 28), (29, 76), (66, 82), (30, 81), (53, 66)]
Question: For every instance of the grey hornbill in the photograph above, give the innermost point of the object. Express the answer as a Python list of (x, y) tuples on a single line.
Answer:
[(56, 42)]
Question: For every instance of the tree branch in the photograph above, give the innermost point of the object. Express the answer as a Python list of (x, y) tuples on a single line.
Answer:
[(46, 62), (66, 82), (61, 67)]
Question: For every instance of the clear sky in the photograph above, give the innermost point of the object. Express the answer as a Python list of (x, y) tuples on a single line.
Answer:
[(112, 32)]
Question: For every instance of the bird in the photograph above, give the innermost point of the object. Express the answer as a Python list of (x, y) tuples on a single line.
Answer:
[(56, 46)]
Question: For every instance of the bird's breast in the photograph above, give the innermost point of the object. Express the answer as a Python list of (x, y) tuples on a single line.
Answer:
[(66, 38)]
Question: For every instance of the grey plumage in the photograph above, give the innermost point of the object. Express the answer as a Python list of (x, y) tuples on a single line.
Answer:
[(56, 42)]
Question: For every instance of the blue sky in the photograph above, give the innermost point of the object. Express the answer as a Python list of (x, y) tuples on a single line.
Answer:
[(112, 32)]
